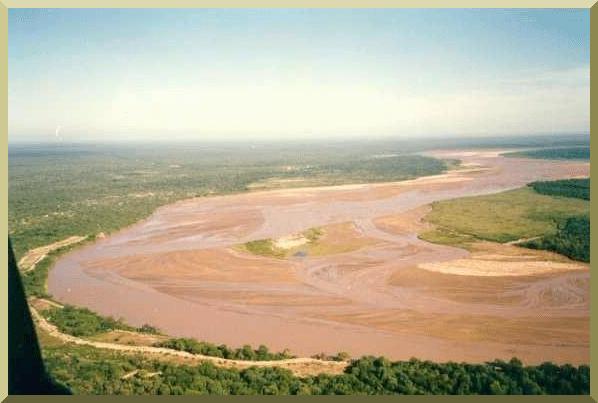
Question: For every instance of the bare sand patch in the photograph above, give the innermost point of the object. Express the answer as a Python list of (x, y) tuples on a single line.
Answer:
[(43, 304), (223, 265), (291, 241), (408, 222), (493, 260), (528, 330), (263, 297), (340, 238), (487, 267)]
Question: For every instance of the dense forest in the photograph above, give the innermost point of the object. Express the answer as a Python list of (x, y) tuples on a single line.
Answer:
[(572, 237), (576, 188), (86, 370)]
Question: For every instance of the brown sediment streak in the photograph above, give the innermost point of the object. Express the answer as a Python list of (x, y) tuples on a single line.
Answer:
[(177, 270)]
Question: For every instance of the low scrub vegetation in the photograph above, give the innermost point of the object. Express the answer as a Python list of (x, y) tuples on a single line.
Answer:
[(269, 248), (341, 356), (313, 234), (82, 321), (34, 281), (85, 370), (244, 353), (264, 247)]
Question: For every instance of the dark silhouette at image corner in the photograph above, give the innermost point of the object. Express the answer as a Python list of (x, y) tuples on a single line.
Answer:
[(26, 371)]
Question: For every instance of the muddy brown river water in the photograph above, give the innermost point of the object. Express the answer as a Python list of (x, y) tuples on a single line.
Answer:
[(178, 270)]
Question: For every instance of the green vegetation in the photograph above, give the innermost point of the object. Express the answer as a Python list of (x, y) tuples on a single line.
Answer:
[(576, 188), (557, 223), (268, 248), (148, 329), (572, 239), (59, 191), (561, 153), (86, 370), (340, 356), (34, 281), (313, 234), (264, 247), (244, 353), (82, 321), (502, 217), (56, 191)]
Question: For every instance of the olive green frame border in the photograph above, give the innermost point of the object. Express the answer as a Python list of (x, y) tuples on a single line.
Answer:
[(7, 4)]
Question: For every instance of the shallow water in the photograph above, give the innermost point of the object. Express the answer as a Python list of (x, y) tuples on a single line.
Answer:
[(175, 270)]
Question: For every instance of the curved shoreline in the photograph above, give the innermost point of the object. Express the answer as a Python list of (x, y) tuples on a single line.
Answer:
[(125, 274), (299, 366)]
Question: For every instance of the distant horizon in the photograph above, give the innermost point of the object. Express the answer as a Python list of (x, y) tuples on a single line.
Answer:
[(332, 141), (86, 75)]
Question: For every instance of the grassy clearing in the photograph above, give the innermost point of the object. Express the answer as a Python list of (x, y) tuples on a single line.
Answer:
[(502, 217)]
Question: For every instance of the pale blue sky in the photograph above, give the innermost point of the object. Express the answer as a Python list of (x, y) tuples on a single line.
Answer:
[(229, 74)]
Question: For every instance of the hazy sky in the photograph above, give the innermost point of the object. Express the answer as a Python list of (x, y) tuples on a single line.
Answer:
[(227, 74)]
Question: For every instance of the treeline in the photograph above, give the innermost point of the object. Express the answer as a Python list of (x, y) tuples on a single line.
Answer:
[(84, 322), (572, 239), (561, 153), (86, 370), (34, 281), (244, 353), (577, 188)]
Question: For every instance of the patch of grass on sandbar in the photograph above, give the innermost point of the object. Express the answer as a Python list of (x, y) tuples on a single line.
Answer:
[(502, 217), (313, 234), (264, 247), (268, 247)]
